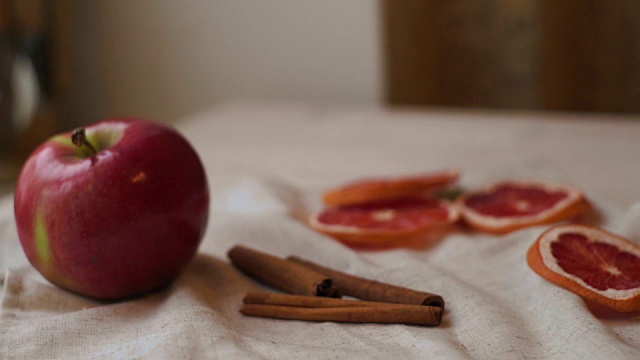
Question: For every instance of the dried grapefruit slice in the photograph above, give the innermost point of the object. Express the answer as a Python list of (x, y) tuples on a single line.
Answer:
[(511, 205), (399, 222), (590, 262), (374, 189)]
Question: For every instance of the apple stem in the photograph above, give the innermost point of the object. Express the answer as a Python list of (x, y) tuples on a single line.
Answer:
[(79, 139)]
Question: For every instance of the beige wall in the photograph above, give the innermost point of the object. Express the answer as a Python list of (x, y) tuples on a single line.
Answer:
[(166, 59)]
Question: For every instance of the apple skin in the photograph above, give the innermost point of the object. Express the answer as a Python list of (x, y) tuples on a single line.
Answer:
[(118, 223)]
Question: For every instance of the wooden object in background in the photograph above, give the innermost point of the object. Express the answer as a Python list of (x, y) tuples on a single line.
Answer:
[(460, 53), (590, 55), (574, 55)]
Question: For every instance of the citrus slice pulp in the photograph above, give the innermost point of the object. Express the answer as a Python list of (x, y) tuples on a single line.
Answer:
[(399, 222), (591, 262), (373, 189), (511, 205)]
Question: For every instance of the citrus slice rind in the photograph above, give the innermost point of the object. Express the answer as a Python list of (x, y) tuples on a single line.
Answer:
[(374, 189), (403, 222), (590, 262), (511, 205)]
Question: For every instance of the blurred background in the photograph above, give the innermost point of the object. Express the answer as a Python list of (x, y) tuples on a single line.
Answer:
[(65, 63)]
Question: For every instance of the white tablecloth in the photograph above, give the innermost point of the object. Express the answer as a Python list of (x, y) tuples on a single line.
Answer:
[(267, 166)]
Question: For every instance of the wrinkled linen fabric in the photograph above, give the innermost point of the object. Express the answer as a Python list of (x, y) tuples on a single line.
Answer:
[(496, 307)]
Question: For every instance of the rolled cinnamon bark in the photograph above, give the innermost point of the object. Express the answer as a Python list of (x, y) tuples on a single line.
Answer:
[(372, 290), (265, 298), (285, 275), (304, 301), (399, 314)]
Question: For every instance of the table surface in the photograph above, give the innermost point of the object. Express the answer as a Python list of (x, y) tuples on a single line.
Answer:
[(267, 165), (595, 150)]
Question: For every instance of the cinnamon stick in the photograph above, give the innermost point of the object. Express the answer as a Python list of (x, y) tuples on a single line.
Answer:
[(399, 314), (285, 275), (265, 298), (372, 290), (307, 301)]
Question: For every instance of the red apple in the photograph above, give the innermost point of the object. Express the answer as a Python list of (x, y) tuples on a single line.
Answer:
[(116, 212)]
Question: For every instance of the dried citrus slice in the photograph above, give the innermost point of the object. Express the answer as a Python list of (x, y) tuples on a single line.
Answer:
[(511, 205), (400, 222), (590, 262), (373, 189)]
